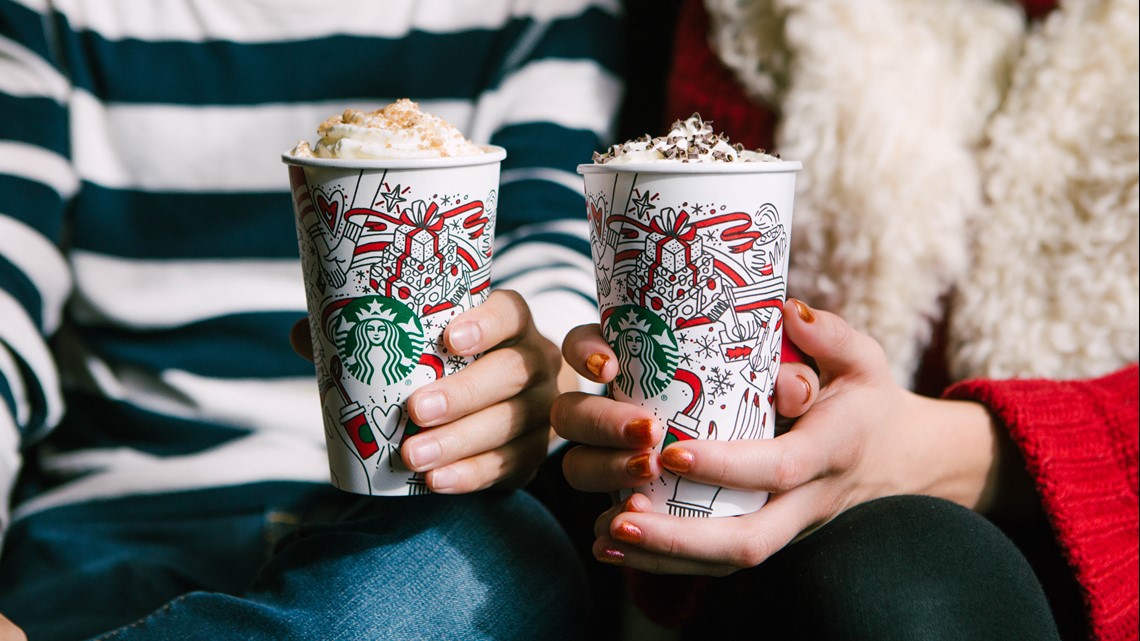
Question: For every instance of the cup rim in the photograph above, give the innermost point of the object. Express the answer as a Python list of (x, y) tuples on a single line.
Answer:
[(492, 154), (680, 167)]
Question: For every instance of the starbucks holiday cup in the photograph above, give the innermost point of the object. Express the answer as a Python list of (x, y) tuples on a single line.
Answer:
[(691, 263), (391, 250)]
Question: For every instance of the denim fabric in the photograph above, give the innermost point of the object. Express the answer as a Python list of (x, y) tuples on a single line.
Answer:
[(284, 561)]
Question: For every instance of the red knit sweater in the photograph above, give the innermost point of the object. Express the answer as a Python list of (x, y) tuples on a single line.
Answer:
[(1079, 438)]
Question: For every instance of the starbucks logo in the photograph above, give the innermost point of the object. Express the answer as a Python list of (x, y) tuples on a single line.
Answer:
[(646, 349), (376, 335)]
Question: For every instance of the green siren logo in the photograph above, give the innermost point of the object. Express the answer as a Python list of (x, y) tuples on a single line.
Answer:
[(375, 334), (646, 349)]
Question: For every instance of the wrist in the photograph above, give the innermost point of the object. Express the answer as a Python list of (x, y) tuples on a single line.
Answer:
[(962, 449)]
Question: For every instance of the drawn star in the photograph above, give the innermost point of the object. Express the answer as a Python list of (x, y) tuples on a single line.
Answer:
[(393, 198), (698, 209), (376, 309), (710, 235), (643, 205), (446, 200)]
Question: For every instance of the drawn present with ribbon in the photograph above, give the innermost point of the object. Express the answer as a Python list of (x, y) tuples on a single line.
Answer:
[(421, 262), (674, 269)]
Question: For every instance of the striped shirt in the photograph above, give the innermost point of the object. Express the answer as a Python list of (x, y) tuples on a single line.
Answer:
[(148, 260)]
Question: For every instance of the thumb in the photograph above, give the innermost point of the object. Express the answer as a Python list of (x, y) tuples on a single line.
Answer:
[(834, 345)]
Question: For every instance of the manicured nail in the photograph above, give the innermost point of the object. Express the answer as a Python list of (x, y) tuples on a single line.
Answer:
[(639, 431), (639, 466), (611, 556), (807, 388), (804, 311), (430, 406), (596, 363), (465, 336), (627, 533), (444, 478), (677, 459), (423, 452)]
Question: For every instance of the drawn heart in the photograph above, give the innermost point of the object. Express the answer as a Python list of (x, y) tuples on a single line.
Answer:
[(386, 420), (596, 211), (329, 207)]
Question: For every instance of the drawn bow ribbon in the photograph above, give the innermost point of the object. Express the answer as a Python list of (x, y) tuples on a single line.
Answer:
[(425, 217), (674, 225)]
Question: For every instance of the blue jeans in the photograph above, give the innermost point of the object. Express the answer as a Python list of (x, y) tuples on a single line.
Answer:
[(282, 561)]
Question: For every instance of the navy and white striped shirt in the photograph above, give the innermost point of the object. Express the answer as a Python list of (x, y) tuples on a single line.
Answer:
[(148, 259)]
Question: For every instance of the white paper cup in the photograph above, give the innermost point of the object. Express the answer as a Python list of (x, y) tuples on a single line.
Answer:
[(391, 251), (691, 263)]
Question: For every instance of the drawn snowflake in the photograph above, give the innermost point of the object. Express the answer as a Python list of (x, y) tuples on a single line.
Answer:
[(455, 363), (437, 343), (720, 382), (686, 359), (705, 346)]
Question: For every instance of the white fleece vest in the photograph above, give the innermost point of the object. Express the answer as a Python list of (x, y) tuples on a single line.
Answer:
[(957, 162)]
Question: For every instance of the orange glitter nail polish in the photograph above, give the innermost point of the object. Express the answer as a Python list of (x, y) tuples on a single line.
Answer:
[(804, 311), (639, 466), (677, 459), (596, 363)]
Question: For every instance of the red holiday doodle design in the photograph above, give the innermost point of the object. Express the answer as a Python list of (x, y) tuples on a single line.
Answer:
[(433, 254), (715, 274), (388, 263)]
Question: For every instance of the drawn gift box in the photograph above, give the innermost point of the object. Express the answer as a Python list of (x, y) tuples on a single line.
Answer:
[(416, 274), (422, 242)]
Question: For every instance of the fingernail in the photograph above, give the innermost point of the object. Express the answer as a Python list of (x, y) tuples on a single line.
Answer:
[(629, 505), (596, 363), (430, 406), (807, 388), (804, 311), (639, 431), (442, 479), (677, 459), (639, 466), (464, 336), (423, 452), (611, 556), (627, 533)]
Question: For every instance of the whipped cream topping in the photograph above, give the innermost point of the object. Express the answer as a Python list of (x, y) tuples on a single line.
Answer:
[(689, 140), (399, 130)]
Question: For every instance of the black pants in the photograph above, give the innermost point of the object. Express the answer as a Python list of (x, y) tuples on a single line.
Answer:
[(900, 568)]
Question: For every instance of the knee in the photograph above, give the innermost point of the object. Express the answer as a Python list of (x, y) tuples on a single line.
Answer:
[(918, 567), (486, 565), (524, 560)]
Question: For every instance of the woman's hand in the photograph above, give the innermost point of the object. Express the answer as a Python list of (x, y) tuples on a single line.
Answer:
[(9, 631), (487, 424), (860, 436)]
